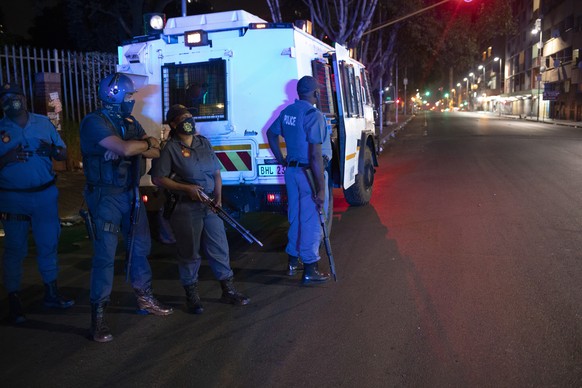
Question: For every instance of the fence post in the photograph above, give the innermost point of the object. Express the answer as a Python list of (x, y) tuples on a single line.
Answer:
[(47, 100)]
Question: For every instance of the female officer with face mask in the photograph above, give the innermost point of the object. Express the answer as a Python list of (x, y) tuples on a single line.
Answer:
[(189, 159)]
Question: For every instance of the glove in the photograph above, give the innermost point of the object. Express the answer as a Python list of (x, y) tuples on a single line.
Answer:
[(16, 154), (47, 149)]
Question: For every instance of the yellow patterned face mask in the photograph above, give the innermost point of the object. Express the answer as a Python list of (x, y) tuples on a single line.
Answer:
[(186, 127)]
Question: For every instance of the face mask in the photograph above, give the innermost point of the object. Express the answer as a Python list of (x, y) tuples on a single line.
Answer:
[(13, 107), (186, 127), (126, 108)]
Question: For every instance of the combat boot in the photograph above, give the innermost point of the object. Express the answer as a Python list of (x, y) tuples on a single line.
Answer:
[(312, 275), (15, 313), (53, 299), (99, 329), (231, 295), (294, 265), (193, 299), (148, 304)]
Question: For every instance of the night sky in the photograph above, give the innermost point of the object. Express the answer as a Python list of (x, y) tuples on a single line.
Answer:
[(19, 14)]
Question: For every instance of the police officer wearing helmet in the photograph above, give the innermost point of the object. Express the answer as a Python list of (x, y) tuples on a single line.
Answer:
[(188, 164), (112, 142), (308, 143), (28, 197)]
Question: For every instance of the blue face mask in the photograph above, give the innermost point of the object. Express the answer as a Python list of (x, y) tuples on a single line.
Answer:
[(186, 127), (13, 106), (127, 108)]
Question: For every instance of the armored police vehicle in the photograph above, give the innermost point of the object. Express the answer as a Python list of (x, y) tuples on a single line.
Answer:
[(235, 72)]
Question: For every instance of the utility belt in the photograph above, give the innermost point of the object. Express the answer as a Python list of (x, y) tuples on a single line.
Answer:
[(295, 163), (108, 190), (172, 200), (14, 217), (32, 189)]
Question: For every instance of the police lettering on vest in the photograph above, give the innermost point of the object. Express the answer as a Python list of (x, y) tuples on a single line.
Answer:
[(289, 120)]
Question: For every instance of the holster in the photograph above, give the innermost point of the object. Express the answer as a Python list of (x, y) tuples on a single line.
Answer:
[(169, 204), (86, 216)]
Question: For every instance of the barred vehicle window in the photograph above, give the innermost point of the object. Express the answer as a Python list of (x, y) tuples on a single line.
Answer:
[(200, 87), (322, 72)]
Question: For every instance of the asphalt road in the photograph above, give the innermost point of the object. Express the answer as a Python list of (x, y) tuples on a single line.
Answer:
[(462, 272)]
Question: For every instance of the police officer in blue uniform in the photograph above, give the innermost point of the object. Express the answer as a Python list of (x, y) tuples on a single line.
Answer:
[(28, 197), (308, 143), (188, 164), (112, 141)]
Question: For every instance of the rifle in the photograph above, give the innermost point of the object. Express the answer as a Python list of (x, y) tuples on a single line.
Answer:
[(227, 218), (134, 216), (311, 180)]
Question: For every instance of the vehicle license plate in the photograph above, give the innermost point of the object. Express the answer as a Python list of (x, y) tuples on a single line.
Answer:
[(271, 169)]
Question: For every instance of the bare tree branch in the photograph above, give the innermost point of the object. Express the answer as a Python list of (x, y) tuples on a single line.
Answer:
[(275, 9)]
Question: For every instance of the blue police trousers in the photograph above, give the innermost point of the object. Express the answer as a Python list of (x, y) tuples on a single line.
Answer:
[(305, 233), (111, 214), (195, 226), (38, 210)]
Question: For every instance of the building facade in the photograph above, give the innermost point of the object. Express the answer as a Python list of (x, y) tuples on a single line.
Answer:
[(543, 61), (541, 73)]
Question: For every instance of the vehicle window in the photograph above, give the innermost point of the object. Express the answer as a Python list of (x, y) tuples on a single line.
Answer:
[(201, 87), (322, 72)]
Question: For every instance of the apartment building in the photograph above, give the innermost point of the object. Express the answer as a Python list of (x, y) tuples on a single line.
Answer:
[(543, 62)]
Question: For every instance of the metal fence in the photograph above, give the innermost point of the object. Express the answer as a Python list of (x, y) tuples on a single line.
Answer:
[(80, 74)]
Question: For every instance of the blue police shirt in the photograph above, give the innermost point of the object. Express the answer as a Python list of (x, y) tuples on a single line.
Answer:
[(38, 170), (300, 124), (192, 164), (94, 128), (97, 126)]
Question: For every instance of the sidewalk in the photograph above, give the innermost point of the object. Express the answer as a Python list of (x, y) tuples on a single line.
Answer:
[(391, 129), (569, 123)]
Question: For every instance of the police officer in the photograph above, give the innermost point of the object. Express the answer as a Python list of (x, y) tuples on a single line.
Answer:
[(308, 142), (188, 164), (28, 197), (112, 142)]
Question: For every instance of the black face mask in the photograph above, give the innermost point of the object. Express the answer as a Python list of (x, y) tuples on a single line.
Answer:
[(13, 106), (186, 127)]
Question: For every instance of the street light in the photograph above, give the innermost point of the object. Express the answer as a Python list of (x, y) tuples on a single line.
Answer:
[(538, 29), (409, 15), (501, 80)]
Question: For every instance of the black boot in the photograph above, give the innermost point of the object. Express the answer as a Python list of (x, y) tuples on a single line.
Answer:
[(312, 275), (231, 295), (15, 314), (193, 299), (148, 304), (99, 329), (53, 299), (294, 265)]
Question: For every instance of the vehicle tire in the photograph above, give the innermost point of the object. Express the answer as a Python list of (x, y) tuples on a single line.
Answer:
[(360, 192)]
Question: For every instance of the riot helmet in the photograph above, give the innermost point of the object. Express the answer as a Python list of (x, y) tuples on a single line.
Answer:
[(116, 92)]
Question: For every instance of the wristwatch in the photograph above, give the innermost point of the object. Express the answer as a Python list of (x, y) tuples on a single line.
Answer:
[(147, 140)]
